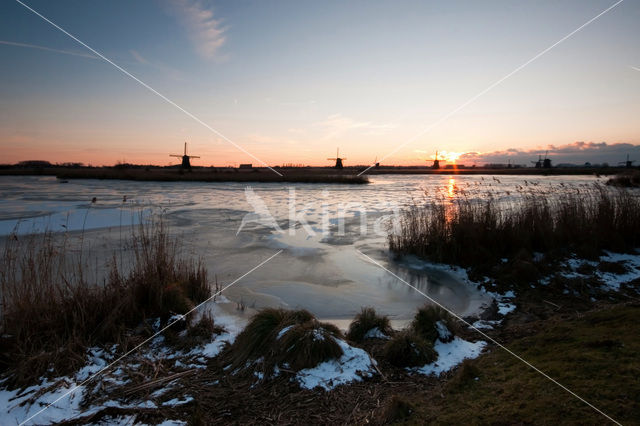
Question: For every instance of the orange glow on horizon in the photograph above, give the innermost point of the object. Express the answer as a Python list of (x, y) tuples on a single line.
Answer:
[(449, 156)]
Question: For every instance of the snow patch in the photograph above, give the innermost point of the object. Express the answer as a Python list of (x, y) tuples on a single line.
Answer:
[(177, 401), (486, 325), (505, 308), (375, 333), (613, 281), (352, 366), (443, 332), (451, 354)]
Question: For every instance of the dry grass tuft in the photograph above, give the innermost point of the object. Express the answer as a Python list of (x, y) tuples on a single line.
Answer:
[(428, 323), (407, 349), (279, 337), (365, 321)]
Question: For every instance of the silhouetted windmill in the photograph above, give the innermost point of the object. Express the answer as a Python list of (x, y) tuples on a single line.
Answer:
[(436, 163), (629, 163), (338, 160), (538, 163), (546, 163), (543, 163), (186, 164)]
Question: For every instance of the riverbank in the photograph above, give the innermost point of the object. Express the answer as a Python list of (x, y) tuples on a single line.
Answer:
[(214, 175), (569, 319), (590, 346), (348, 175)]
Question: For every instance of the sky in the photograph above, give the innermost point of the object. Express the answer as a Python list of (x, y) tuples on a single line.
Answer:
[(288, 82)]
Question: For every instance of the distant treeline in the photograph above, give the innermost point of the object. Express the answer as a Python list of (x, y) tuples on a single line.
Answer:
[(71, 170)]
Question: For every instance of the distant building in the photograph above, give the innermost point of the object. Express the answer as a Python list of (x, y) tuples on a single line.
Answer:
[(34, 163), (246, 166)]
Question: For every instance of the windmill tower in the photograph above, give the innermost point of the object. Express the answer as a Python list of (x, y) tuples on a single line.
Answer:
[(538, 163), (546, 163), (436, 162), (186, 164), (628, 164), (338, 160)]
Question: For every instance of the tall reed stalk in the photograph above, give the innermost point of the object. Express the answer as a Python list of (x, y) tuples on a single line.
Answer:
[(479, 233), (51, 313)]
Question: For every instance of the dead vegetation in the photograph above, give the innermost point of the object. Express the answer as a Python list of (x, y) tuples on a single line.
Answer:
[(365, 321), (482, 232), (285, 339), (52, 312)]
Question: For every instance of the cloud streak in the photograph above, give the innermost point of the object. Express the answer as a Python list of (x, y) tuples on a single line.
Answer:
[(49, 49), (168, 71), (574, 153), (205, 31), (338, 124)]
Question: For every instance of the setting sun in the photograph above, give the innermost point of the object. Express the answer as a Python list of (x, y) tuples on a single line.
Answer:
[(447, 156)]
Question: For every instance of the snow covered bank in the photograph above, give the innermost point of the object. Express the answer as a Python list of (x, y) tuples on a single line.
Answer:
[(352, 366), (450, 355), (67, 394)]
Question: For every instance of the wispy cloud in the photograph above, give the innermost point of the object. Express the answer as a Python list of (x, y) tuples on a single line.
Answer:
[(205, 31), (49, 49), (138, 57), (338, 124), (168, 71)]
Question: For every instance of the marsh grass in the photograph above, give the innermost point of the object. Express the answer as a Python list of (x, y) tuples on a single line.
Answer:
[(278, 337), (629, 179), (367, 319), (479, 233), (427, 320), (52, 312), (408, 349), (192, 334)]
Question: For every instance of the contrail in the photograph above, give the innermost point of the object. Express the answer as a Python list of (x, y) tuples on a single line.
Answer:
[(635, 68), (48, 49)]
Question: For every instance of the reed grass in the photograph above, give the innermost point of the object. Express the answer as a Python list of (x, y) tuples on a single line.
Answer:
[(628, 179), (52, 312), (480, 233)]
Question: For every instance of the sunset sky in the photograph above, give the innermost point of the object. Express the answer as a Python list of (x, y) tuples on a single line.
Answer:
[(291, 81)]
